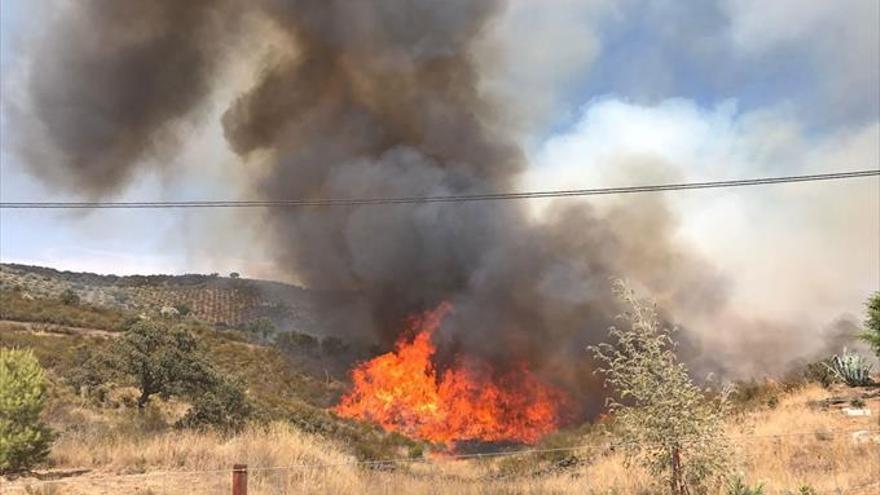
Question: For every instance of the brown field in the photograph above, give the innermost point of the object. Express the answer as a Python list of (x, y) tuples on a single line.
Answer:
[(792, 444)]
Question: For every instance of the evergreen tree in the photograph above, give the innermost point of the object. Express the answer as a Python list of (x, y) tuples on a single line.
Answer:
[(24, 439)]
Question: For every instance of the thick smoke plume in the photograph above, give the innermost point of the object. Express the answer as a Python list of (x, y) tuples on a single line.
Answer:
[(113, 80), (368, 99)]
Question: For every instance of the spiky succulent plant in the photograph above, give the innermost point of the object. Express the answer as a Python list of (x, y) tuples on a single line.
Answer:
[(851, 368)]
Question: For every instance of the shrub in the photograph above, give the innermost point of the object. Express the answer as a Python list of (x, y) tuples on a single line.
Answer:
[(121, 297), (804, 490), (24, 439), (222, 405), (69, 297), (753, 393), (90, 373), (820, 372), (667, 423), (851, 369), (737, 486)]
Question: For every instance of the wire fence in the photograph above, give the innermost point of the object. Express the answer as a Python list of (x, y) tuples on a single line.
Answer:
[(446, 473)]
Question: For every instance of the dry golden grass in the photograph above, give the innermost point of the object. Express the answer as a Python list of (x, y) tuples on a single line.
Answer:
[(795, 444), (784, 448)]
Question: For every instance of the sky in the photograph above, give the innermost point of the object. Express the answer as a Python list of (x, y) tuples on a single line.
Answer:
[(700, 90)]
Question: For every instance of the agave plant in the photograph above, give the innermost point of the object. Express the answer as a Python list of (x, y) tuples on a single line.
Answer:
[(851, 368)]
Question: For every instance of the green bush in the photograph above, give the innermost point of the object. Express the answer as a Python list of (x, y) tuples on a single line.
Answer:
[(24, 439), (221, 405), (820, 372), (90, 373), (871, 335)]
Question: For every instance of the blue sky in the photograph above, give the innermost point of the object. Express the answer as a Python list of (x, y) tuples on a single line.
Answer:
[(710, 89)]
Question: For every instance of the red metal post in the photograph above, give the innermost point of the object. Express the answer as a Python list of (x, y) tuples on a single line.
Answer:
[(239, 479)]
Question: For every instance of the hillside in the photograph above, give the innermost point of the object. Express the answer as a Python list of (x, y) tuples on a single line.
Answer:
[(789, 436), (295, 385), (222, 301)]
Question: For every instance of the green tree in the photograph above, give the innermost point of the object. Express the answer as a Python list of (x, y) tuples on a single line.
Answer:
[(160, 360), (24, 439), (667, 423), (871, 334), (166, 362)]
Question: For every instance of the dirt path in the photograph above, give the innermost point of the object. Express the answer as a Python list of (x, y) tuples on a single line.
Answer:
[(50, 329)]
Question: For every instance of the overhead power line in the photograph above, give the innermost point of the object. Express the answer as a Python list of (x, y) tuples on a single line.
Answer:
[(463, 198)]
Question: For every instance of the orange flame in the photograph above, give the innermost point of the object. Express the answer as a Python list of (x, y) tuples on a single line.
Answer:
[(401, 391)]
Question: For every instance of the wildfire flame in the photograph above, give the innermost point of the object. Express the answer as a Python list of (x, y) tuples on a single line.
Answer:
[(402, 391)]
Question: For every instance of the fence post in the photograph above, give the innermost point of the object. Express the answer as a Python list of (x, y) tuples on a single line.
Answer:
[(239, 479)]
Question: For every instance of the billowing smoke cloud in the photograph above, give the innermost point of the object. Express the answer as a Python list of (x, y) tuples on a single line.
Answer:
[(113, 80), (798, 257), (385, 102), (377, 98)]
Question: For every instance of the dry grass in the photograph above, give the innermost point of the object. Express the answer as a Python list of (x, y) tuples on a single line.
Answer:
[(277, 444), (785, 447), (16, 306), (798, 443)]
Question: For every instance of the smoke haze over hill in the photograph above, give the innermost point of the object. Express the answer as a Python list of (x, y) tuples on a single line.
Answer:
[(384, 98)]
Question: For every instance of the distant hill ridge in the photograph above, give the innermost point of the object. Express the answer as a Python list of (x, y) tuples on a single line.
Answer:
[(223, 301)]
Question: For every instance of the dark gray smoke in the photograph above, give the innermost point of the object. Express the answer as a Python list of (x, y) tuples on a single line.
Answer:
[(113, 79), (368, 99)]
